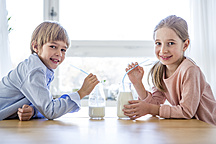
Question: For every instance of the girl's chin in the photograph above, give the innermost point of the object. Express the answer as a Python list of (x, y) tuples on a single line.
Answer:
[(164, 62)]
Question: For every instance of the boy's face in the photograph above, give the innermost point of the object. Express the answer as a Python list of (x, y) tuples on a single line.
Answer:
[(52, 54)]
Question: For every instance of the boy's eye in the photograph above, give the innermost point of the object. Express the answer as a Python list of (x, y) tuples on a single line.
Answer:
[(64, 50), (53, 46), (157, 43)]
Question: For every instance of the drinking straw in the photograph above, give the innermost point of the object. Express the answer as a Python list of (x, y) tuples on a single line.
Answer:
[(79, 69), (134, 68)]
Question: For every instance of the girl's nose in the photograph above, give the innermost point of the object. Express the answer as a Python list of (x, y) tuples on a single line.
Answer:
[(163, 49)]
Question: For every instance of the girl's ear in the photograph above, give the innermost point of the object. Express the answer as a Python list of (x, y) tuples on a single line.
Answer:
[(186, 44), (35, 46)]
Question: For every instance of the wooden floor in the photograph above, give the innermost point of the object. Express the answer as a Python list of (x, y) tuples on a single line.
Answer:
[(77, 128)]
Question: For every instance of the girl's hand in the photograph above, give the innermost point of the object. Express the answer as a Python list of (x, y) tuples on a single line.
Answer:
[(25, 113), (88, 85), (136, 109), (136, 74)]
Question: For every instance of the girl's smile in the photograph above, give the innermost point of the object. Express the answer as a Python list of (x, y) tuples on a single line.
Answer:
[(165, 57), (169, 48)]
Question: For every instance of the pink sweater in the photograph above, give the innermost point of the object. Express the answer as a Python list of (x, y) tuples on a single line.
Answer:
[(188, 93)]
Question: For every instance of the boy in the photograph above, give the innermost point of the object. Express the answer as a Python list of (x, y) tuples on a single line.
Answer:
[(27, 86)]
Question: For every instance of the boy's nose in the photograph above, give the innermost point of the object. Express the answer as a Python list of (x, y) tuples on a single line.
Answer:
[(59, 52)]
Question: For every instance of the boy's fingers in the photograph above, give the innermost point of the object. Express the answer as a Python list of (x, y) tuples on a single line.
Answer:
[(24, 109), (24, 114), (25, 106), (90, 75), (24, 118), (19, 110)]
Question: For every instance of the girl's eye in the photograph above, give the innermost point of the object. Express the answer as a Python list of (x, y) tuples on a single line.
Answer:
[(64, 50), (171, 43)]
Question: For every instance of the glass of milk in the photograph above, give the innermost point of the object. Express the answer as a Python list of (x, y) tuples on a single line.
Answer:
[(124, 96), (97, 103)]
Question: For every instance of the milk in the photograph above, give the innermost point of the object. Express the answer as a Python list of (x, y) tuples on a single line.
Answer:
[(123, 99), (97, 103), (96, 112)]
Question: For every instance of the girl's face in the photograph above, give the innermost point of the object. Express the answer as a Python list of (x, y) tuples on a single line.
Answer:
[(52, 54), (169, 48)]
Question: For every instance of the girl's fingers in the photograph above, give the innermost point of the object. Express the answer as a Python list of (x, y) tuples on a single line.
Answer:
[(131, 114), (133, 101), (129, 110), (129, 106), (134, 117), (132, 104)]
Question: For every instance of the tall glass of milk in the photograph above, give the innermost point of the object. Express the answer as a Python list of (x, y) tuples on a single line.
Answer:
[(97, 102), (124, 96)]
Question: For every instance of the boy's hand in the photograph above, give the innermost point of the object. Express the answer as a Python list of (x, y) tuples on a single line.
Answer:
[(88, 85), (25, 113)]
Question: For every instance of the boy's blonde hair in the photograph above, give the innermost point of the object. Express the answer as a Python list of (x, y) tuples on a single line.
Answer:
[(48, 32), (180, 27)]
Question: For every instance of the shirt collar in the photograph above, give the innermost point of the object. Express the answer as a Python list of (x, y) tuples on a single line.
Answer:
[(49, 72)]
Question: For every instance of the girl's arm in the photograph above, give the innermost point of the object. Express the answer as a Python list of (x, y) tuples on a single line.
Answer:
[(135, 77), (192, 85)]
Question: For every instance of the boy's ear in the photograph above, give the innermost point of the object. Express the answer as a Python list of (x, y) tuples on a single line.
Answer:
[(35, 46), (186, 44)]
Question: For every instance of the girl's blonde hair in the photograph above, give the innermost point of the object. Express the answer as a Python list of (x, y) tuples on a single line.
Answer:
[(180, 27), (48, 32)]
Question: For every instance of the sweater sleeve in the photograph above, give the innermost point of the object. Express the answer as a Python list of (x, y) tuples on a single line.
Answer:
[(191, 88), (156, 97)]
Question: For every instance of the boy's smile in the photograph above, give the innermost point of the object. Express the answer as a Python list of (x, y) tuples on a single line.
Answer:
[(52, 54)]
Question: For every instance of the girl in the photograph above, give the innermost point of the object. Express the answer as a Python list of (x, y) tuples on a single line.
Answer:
[(26, 88), (175, 77)]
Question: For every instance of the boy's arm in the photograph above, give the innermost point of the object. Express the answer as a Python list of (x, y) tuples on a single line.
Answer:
[(36, 114), (36, 91)]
